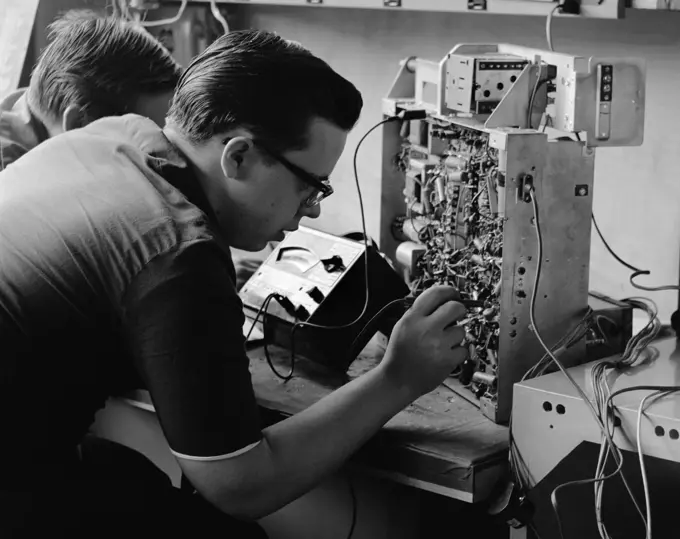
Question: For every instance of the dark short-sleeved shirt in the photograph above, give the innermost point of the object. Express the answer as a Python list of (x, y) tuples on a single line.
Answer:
[(113, 277)]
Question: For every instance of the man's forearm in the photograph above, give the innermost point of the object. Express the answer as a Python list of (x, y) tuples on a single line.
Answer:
[(305, 448), (297, 453)]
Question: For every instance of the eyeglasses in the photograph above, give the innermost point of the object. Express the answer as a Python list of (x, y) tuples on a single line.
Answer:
[(321, 185)]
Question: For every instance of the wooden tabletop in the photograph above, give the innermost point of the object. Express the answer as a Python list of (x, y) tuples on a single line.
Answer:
[(440, 443)]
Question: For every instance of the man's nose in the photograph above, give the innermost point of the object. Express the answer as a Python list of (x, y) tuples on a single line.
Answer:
[(312, 212)]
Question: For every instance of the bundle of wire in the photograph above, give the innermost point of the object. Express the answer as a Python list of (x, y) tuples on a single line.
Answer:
[(567, 341), (602, 410), (518, 468), (657, 393), (636, 352)]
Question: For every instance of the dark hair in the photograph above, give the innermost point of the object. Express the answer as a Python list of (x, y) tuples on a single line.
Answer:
[(100, 64), (260, 81)]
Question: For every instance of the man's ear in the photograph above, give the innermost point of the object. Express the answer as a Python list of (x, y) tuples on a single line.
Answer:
[(73, 118), (237, 157)]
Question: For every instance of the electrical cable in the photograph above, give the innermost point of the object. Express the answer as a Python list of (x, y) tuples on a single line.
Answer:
[(608, 417), (370, 326), (578, 482), (164, 22), (218, 15), (519, 468), (365, 233), (659, 391), (632, 355), (562, 345), (367, 242), (265, 303), (636, 271), (291, 372), (537, 85), (532, 308), (548, 26), (643, 470), (262, 311), (301, 324), (600, 479), (353, 496)]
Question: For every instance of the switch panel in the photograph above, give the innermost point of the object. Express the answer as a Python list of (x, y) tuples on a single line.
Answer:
[(605, 85)]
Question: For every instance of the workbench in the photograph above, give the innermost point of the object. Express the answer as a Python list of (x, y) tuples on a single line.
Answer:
[(440, 443)]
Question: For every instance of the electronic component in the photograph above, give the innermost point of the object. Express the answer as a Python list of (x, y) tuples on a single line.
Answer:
[(605, 85), (601, 99), (478, 84), (470, 179), (469, 211), (385, 320), (320, 279)]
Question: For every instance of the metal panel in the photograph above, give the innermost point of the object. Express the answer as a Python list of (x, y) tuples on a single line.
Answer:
[(560, 433), (460, 83), (492, 159), (577, 84), (427, 84), (563, 179)]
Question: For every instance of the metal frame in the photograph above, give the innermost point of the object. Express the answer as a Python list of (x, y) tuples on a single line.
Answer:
[(563, 171), (576, 90), (559, 169)]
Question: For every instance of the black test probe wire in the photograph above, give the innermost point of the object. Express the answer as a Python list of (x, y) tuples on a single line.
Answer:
[(636, 271), (271, 297), (282, 300)]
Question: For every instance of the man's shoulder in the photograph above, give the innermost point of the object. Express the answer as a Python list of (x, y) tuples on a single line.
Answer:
[(98, 185), (119, 160), (137, 132)]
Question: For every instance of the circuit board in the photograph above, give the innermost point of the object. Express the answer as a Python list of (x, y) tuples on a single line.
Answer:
[(477, 193), (452, 200)]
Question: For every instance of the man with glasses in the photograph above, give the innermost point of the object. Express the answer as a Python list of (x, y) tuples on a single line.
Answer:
[(117, 272), (246, 263)]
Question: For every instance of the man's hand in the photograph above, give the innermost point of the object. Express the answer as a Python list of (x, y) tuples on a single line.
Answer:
[(296, 453), (425, 344)]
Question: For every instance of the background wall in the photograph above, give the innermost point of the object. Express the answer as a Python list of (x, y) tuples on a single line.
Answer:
[(637, 190)]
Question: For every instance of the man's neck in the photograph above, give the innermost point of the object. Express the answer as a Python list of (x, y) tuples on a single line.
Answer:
[(194, 185), (191, 152)]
